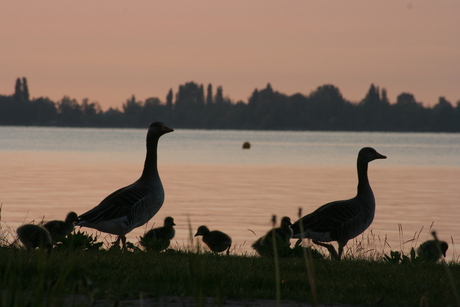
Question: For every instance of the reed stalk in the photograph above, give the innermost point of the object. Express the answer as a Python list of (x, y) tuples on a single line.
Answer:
[(308, 258), (277, 265)]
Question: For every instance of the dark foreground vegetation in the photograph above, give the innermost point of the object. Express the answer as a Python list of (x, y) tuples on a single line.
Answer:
[(80, 275), (194, 107)]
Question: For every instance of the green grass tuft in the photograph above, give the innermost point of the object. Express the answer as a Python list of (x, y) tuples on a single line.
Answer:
[(80, 270), (102, 274)]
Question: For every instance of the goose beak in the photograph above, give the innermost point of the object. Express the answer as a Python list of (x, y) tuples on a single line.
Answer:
[(166, 129), (380, 156)]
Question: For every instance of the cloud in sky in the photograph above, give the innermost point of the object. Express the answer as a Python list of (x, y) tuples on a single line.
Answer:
[(108, 50)]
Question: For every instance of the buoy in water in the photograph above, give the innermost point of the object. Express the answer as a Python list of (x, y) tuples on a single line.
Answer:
[(246, 145)]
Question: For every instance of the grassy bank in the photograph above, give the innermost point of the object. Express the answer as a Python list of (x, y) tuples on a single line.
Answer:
[(40, 279)]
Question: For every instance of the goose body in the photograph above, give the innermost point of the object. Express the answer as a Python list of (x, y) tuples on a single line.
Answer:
[(216, 240), (159, 238), (281, 236), (432, 250), (345, 219), (135, 204), (59, 229), (33, 236)]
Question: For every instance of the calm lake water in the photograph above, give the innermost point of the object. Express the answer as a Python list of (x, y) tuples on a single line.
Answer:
[(209, 179)]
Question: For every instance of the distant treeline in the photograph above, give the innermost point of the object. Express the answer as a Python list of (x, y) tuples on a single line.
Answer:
[(194, 107)]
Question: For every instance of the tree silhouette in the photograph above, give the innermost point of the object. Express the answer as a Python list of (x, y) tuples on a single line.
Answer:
[(91, 112), (374, 109), (209, 98), (409, 115), (132, 111), (169, 100), (21, 90), (299, 112), (189, 106), (45, 112), (323, 109), (25, 89), (328, 106), (17, 96), (69, 112), (444, 116), (219, 99)]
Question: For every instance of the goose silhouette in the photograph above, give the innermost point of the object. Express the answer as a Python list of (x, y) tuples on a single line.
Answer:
[(345, 219), (33, 236), (135, 204), (432, 250), (59, 229), (216, 240), (278, 238), (159, 238)]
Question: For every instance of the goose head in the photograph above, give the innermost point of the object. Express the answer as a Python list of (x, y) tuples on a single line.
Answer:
[(286, 222), (169, 222), (202, 231), (156, 130), (444, 246), (71, 218), (368, 154)]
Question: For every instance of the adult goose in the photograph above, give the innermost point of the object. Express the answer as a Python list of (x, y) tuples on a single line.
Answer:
[(345, 219), (135, 204), (276, 238), (159, 238), (33, 236), (216, 240), (59, 229)]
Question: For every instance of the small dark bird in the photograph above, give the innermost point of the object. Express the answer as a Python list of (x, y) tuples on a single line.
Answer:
[(432, 250), (33, 236), (345, 219), (135, 204), (216, 240), (159, 238), (59, 229), (246, 145), (279, 238)]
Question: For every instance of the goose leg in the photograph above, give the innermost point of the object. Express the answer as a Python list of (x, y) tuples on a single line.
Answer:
[(330, 248), (341, 245), (117, 242), (228, 250), (123, 242)]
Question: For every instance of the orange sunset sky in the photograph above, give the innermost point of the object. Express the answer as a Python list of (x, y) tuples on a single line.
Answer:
[(109, 50)]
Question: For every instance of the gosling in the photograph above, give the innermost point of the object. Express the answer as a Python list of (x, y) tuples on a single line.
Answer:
[(279, 238), (158, 239), (216, 240), (60, 229), (432, 250), (33, 236)]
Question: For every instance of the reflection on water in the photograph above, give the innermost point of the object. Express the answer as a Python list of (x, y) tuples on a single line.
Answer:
[(224, 146), (237, 198)]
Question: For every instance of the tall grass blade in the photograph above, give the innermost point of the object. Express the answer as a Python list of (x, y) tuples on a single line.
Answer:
[(448, 272), (309, 265)]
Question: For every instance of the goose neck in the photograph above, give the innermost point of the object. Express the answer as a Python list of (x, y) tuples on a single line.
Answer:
[(150, 165), (363, 181)]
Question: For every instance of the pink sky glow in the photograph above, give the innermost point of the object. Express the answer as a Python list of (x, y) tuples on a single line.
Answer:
[(109, 50)]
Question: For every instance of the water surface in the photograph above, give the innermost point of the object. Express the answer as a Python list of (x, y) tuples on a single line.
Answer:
[(209, 179)]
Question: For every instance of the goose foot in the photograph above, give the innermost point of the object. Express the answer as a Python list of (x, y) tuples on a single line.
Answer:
[(330, 248), (117, 242)]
